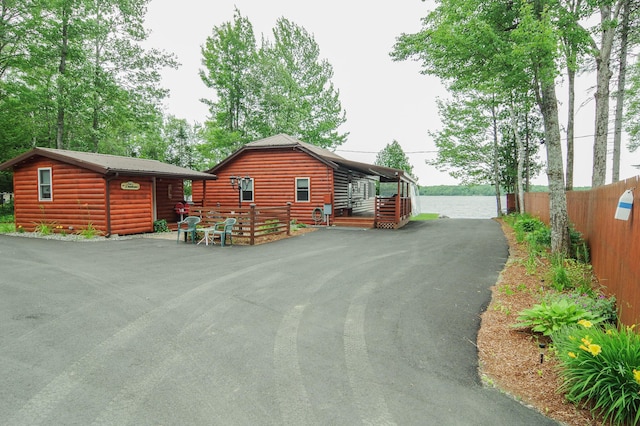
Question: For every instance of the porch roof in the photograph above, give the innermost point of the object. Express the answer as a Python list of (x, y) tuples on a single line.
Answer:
[(106, 164), (333, 160)]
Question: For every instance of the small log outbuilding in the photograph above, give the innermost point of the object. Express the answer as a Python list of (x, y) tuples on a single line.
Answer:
[(71, 191), (281, 169)]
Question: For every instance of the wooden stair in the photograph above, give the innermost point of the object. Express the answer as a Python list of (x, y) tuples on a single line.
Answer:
[(354, 221)]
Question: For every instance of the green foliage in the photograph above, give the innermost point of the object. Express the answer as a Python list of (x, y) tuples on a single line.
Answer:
[(524, 225), (74, 76), (600, 367), (393, 156), (596, 303), (549, 317), (281, 87), (89, 232), (44, 228), (160, 226), (270, 226), (570, 274)]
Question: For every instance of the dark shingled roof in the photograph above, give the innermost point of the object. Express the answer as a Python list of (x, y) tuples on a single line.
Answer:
[(330, 158), (109, 164)]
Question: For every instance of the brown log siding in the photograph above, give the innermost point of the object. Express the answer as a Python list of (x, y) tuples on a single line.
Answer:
[(131, 211), (614, 244), (78, 197), (169, 192), (274, 172)]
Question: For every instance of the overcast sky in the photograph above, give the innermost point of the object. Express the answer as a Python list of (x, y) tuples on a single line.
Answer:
[(384, 100)]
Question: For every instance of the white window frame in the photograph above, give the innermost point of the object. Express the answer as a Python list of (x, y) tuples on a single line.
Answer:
[(251, 190), (308, 200), (42, 185)]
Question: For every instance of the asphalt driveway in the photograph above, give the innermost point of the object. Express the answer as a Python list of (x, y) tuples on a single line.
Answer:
[(339, 326)]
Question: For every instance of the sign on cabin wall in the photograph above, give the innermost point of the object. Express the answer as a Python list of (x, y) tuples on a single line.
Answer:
[(130, 186)]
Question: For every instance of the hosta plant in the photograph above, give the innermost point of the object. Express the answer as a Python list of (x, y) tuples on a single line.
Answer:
[(549, 317)]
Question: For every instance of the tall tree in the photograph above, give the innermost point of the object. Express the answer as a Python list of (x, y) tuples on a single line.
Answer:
[(82, 81), (229, 57), (298, 95), (506, 47), (393, 156), (282, 87), (609, 14)]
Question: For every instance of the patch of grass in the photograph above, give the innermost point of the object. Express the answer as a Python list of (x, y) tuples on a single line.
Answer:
[(426, 216), (6, 227)]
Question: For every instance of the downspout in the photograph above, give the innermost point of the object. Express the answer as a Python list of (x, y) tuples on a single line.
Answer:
[(108, 202)]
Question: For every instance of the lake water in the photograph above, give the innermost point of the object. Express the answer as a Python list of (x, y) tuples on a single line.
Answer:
[(461, 207)]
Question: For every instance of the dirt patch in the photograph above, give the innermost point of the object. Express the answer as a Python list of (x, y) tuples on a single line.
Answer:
[(510, 358)]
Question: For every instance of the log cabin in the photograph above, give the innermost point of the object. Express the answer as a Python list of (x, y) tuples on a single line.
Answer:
[(281, 169), (71, 191)]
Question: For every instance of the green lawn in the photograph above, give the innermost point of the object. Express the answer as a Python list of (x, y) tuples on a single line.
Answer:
[(426, 216)]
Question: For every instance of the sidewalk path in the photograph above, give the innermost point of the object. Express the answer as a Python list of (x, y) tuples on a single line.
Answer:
[(338, 326)]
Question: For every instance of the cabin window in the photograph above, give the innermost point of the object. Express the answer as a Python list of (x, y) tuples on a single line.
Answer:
[(247, 191), (302, 189), (44, 185)]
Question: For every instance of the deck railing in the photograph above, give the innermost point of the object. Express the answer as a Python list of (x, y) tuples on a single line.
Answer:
[(392, 212), (253, 223)]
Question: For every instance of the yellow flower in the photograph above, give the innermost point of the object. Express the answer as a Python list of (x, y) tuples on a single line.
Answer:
[(636, 375), (585, 323), (595, 349), (586, 340), (573, 355), (609, 332)]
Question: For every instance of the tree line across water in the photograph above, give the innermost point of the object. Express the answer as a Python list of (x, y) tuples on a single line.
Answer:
[(486, 190)]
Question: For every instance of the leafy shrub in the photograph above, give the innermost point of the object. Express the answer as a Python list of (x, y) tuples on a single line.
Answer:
[(160, 226), (600, 368), (549, 317), (598, 304), (525, 225)]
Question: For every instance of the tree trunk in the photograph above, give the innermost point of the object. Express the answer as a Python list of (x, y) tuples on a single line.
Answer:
[(558, 218), (622, 72), (61, 83), (496, 165), (602, 94), (521, 158), (571, 75)]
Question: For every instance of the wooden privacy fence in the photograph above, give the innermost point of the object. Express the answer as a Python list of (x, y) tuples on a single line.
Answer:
[(252, 223), (614, 244)]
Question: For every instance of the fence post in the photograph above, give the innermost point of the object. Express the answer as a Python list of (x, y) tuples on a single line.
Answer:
[(252, 224), (288, 217)]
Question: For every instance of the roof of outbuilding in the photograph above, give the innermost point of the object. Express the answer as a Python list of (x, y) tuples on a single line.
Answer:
[(324, 155), (109, 164)]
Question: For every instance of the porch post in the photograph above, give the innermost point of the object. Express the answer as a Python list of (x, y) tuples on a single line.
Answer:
[(252, 224)]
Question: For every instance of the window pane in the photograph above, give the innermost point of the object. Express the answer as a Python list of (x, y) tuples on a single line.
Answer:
[(302, 189), (44, 184)]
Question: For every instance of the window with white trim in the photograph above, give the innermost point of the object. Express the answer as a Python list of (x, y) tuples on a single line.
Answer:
[(302, 189), (247, 190), (44, 185)]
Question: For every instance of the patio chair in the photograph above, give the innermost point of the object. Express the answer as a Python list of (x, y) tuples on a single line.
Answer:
[(223, 229), (190, 222)]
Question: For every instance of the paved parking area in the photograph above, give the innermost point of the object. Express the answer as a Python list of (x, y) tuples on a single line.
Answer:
[(338, 326)]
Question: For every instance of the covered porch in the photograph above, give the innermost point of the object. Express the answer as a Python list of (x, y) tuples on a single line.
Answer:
[(391, 208)]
